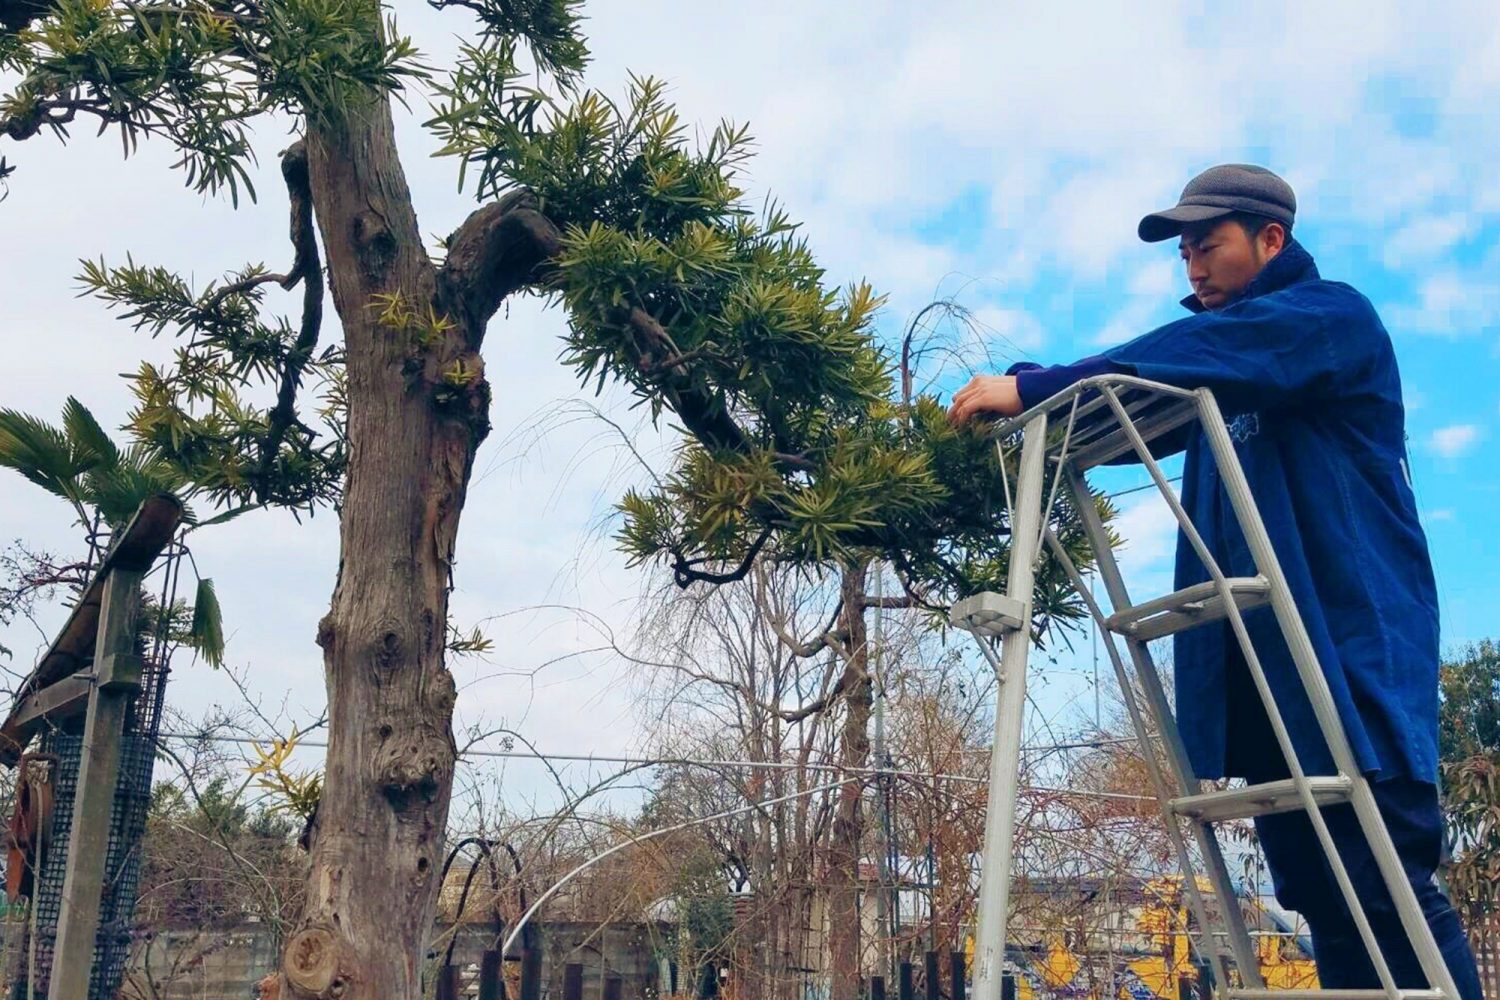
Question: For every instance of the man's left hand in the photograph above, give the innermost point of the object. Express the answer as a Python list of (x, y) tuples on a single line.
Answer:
[(996, 394)]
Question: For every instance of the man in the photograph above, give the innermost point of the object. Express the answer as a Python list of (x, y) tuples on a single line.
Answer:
[(1307, 380)]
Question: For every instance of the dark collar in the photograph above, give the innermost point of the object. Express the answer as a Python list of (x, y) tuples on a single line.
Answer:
[(1290, 267)]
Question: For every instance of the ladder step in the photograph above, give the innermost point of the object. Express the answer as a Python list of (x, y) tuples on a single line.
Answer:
[(1259, 800), (1331, 994), (1185, 609)]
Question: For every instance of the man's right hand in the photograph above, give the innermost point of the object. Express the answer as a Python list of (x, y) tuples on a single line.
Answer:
[(996, 394)]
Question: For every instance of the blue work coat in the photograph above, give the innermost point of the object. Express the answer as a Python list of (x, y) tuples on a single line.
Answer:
[(1306, 377)]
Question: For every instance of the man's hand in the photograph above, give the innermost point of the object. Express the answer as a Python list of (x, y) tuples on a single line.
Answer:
[(995, 394)]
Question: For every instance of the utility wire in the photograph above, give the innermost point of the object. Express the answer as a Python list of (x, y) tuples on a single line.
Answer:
[(697, 762)]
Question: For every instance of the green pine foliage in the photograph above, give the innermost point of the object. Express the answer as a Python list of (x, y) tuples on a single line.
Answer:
[(196, 415), (194, 72)]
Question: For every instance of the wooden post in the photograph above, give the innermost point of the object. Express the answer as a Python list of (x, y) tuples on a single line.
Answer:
[(613, 987), (491, 978), (531, 973), (934, 991), (960, 975), (905, 990), (1008, 987), (573, 981), (877, 988), (117, 676), (447, 983)]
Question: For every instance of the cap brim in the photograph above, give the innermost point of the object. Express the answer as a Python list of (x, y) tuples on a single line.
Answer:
[(1164, 225)]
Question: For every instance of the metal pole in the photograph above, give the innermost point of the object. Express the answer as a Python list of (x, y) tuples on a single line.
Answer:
[(930, 969), (882, 845), (1005, 755)]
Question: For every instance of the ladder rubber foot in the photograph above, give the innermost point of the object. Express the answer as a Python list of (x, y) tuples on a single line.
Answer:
[(1259, 800)]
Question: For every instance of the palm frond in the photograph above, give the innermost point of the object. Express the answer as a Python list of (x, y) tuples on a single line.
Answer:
[(43, 454), (85, 436), (206, 634)]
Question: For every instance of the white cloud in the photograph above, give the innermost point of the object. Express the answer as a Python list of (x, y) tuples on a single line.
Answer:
[(1154, 290), (1148, 533), (1016, 327), (1427, 237), (1455, 440), (1452, 303), (1440, 514)]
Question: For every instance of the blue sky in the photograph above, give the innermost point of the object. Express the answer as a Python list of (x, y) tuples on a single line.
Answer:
[(1002, 155)]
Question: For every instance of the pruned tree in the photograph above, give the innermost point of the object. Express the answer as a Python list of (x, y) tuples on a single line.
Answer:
[(713, 315)]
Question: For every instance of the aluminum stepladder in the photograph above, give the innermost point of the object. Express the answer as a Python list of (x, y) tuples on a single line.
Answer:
[(1108, 418)]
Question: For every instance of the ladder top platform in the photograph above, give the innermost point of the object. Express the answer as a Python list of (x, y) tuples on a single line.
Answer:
[(1097, 436)]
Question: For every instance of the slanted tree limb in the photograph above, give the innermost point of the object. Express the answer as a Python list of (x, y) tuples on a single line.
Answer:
[(497, 251), (706, 416)]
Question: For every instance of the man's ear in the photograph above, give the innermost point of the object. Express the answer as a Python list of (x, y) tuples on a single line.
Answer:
[(1272, 239)]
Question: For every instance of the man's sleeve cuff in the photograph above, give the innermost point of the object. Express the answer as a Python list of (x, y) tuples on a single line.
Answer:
[(1037, 384)]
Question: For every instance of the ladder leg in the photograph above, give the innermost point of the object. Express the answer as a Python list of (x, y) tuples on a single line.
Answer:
[(1423, 942), (1187, 783), (1281, 601), (1005, 754)]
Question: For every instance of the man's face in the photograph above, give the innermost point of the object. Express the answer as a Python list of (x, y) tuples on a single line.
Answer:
[(1222, 259)]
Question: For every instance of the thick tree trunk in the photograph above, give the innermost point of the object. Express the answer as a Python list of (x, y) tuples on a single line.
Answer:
[(854, 753), (378, 840)]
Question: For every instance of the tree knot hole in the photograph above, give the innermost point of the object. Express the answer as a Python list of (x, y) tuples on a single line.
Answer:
[(311, 963)]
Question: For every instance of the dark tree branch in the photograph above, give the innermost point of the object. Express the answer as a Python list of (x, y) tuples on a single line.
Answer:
[(904, 577), (505, 246), (796, 715), (828, 637), (17, 15), (307, 267), (246, 284), (684, 574)]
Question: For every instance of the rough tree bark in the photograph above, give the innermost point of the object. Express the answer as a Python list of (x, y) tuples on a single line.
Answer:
[(418, 409), (854, 753)]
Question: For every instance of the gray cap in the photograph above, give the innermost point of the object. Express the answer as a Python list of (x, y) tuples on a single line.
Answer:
[(1218, 191)]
